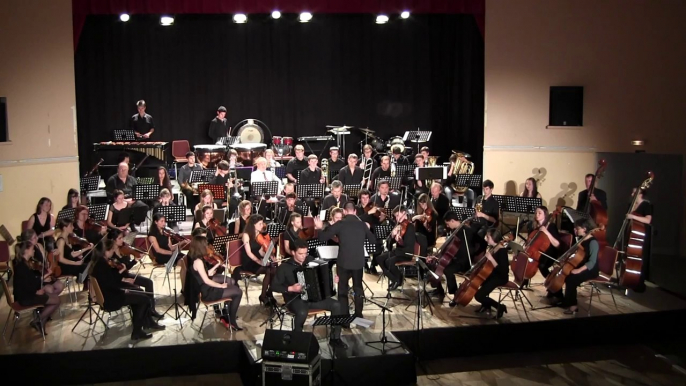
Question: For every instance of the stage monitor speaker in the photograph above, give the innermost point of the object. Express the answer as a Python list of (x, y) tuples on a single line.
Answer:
[(566, 106), (3, 120), (289, 346)]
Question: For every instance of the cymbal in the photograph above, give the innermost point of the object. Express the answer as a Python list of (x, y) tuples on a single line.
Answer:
[(464, 153), (339, 127), (366, 130)]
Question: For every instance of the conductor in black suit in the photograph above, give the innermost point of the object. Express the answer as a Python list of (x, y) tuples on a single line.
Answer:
[(351, 232), (598, 195)]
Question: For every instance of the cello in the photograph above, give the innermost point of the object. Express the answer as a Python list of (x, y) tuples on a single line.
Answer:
[(446, 254), (630, 241), (476, 275), (569, 261), (595, 209), (536, 244)]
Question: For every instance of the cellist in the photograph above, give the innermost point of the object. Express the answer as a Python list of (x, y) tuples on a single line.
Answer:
[(498, 257), (541, 217), (643, 213), (587, 269)]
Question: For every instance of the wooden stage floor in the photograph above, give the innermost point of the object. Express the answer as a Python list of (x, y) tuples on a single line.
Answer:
[(251, 315)]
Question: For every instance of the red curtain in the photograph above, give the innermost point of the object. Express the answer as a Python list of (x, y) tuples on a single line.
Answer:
[(82, 8)]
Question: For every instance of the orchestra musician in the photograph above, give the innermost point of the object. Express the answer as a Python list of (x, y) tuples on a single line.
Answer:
[(426, 219), (261, 174), (207, 216), (487, 217), (219, 126), (382, 172), (367, 211), (335, 163), (531, 189), (165, 199), (163, 179), (292, 233), (223, 177), (368, 153), (287, 208), (141, 122), (119, 291), (541, 216), (184, 178), (311, 175), (271, 162), (202, 278), (336, 198), (124, 182), (419, 185), (425, 152), (287, 189), (42, 221), (251, 257), (439, 201), (71, 261), (72, 199), (83, 229), (244, 213), (113, 214), (296, 164), (499, 277), (162, 248), (396, 153), (286, 282), (50, 282), (587, 269), (459, 263), (233, 159), (206, 199), (643, 213), (350, 232), (29, 290), (598, 194), (382, 198), (403, 238), (351, 175)]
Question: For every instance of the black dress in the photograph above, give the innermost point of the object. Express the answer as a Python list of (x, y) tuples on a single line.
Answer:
[(163, 242), (39, 228), (208, 293), (246, 262), (26, 283), (210, 234), (70, 270)]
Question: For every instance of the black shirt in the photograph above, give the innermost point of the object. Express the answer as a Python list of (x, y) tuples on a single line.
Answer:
[(143, 124), (583, 197), (114, 183), (309, 177), (218, 128), (368, 218), (294, 165), (286, 276), (402, 160), (490, 207), (441, 204), (291, 237), (26, 283), (407, 248), (351, 233), (185, 172), (645, 208), (285, 214), (335, 166), (330, 201), (503, 269), (393, 200), (377, 174), (346, 177)]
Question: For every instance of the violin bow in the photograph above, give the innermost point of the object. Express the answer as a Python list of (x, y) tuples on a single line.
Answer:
[(226, 262)]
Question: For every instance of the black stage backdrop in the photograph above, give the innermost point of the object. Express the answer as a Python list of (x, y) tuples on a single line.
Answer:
[(426, 72)]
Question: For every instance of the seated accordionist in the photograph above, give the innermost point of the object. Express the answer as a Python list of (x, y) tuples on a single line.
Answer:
[(286, 282)]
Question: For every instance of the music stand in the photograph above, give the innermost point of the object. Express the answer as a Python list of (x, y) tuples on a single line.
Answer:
[(313, 244), (228, 141), (201, 176), (265, 188), (89, 184), (310, 191), (333, 174), (382, 231), (275, 229), (171, 264), (124, 216), (463, 212), (394, 183), (280, 171), (173, 213), (403, 170), (469, 180), (125, 135), (218, 191), (303, 207), (98, 212), (219, 243), (145, 192), (297, 176), (384, 340), (430, 173), (144, 180), (524, 205), (417, 137), (66, 213), (352, 190), (327, 252)]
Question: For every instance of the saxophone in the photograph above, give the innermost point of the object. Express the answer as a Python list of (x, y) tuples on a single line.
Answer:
[(393, 167), (325, 170)]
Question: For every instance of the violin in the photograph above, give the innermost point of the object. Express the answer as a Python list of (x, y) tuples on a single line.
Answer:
[(212, 257), (91, 223), (174, 236), (115, 263), (76, 240), (126, 249), (217, 229), (265, 240), (400, 230), (368, 208)]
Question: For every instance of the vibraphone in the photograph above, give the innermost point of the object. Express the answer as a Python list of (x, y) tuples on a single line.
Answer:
[(153, 149)]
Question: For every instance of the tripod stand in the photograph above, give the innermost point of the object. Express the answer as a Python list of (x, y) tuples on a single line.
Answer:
[(423, 298), (90, 310), (384, 340), (177, 315)]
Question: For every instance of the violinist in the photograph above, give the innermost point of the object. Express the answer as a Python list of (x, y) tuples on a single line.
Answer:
[(459, 263), (403, 237), (119, 291), (207, 216), (161, 245), (165, 199), (336, 199), (351, 175), (27, 286), (206, 199), (71, 259), (121, 257), (40, 257), (643, 213), (426, 219), (288, 208), (203, 279), (497, 254), (549, 229), (244, 213), (113, 214), (530, 189), (367, 211), (85, 227), (254, 248), (72, 199), (293, 233), (43, 223), (598, 194), (588, 269)]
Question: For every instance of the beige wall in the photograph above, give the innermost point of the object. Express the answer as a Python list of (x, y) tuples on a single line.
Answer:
[(37, 77), (628, 55)]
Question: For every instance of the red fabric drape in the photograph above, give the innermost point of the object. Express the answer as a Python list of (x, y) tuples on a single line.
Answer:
[(82, 8)]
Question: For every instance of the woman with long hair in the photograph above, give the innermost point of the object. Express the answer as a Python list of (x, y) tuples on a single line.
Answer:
[(71, 261), (210, 285), (51, 284), (117, 206), (252, 254), (244, 212), (207, 216), (531, 189), (163, 179), (42, 221), (162, 248), (426, 218), (72, 199), (206, 199), (92, 233)]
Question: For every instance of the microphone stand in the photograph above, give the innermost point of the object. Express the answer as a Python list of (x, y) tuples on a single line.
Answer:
[(384, 340), (279, 311)]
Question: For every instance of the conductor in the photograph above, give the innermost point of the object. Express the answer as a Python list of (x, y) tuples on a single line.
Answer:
[(351, 232), (286, 282)]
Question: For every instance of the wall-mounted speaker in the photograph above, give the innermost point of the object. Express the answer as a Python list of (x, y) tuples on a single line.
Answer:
[(566, 106)]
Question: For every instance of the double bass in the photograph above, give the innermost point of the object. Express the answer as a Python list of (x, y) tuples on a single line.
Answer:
[(595, 209), (630, 241), (569, 261), (476, 275), (446, 253)]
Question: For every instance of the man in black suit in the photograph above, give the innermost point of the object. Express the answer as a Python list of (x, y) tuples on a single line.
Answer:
[(351, 232), (598, 194), (439, 200), (351, 175)]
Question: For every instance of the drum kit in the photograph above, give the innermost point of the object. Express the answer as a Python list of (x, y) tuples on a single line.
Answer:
[(283, 146), (250, 145), (379, 145)]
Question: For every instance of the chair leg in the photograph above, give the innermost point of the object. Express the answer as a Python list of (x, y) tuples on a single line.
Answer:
[(613, 298), (9, 314), (245, 282), (521, 295), (42, 327), (14, 325), (204, 316)]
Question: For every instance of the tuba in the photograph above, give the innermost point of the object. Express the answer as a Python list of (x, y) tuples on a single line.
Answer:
[(461, 166)]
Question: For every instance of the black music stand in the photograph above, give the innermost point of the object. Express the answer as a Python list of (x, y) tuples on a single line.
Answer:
[(352, 190), (280, 171), (297, 175), (422, 296), (463, 212), (519, 205), (228, 141), (219, 243), (145, 181), (430, 173), (173, 213), (393, 182), (98, 212), (404, 170), (310, 191), (202, 176), (125, 135), (303, 207), (312, 245), (66, 213), (417, 137), (124, 216), (333, 174), (265, 188), (145, 192), (218, 191), (326, 321), (89, 184), (469, 180), (275, 229), (171, 265)]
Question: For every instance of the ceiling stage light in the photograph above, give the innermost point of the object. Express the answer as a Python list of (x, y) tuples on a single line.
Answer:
[(305, 17), (405, 14), (276, 15), (381, 19), (166, 20), (124, 17), (240, 18)]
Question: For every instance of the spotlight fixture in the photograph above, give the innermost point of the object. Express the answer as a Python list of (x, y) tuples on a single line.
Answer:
[(276, 15), (381, 19), (405, 14), (305, 17), (124, 17), (240, 18), (638, 142), (166, 20)]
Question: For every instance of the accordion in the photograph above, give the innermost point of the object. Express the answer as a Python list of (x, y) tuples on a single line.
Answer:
[(317, 281)]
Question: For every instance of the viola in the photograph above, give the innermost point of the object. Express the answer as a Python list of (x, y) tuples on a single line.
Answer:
[(91, 223), (368, 208), (446, 253), (174, 236), (476, 275), (76, 240), (115, 263), (400, 230), (217, 229), (569, 261)]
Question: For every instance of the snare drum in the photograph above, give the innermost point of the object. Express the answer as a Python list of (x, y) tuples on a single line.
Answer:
[(288, 141), (210, 155), (277, 141), (247, 152)]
